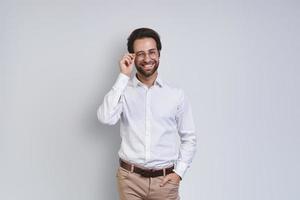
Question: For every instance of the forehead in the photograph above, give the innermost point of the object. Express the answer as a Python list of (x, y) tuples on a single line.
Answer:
[(144, 44)]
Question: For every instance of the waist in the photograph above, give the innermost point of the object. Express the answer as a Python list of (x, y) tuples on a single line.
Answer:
[(144, 171)]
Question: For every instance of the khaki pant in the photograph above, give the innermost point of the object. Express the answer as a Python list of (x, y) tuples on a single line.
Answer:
[(133, 186)]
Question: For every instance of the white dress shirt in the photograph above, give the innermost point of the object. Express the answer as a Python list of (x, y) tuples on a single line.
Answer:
[(150, 121)]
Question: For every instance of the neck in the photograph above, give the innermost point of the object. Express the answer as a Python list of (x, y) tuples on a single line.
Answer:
[(149, 81)]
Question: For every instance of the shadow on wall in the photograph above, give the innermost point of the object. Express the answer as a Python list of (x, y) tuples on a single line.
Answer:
[(106, 138)]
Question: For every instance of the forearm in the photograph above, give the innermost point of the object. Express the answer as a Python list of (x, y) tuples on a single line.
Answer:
[(186, 153), (109, 111)]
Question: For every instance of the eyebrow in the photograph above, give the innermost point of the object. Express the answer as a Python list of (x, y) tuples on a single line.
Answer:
[(147, 50)]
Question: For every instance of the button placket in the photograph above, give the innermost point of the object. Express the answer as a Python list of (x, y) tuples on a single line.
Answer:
[(147, 123)]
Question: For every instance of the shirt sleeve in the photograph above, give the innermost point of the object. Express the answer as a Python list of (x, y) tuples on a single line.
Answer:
[(186, 130), (110, 110)]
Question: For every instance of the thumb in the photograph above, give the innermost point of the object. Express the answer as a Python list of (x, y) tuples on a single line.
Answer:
[(164, 181)]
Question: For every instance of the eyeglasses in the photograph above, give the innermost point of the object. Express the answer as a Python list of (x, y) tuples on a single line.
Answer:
[(152, 53)]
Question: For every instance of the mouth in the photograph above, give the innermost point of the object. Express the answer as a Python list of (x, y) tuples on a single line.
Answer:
[(148, 66)]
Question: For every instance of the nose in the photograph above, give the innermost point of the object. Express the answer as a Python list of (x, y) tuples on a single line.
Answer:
[(147, 57)]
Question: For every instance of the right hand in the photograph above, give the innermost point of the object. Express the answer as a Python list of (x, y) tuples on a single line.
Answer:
[(126, 63)]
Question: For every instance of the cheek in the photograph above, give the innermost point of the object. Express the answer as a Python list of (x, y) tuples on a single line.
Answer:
[(136, 62)]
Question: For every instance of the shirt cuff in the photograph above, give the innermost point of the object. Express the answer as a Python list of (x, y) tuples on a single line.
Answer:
[(121, 82), (181, 168)]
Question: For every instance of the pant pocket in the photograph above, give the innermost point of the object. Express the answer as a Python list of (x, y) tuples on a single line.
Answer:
[(122, 173)]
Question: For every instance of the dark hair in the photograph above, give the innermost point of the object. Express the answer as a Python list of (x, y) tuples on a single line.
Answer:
[(141, 33)]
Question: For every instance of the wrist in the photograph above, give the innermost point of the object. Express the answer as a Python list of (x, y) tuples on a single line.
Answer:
[(177, 175), (127, 74)]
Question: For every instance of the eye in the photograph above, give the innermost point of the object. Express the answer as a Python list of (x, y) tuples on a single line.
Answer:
[(152, 53), (140, 54)]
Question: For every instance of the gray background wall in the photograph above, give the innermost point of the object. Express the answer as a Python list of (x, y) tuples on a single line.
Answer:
[(238, 61)]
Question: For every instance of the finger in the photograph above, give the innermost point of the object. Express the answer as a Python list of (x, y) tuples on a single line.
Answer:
[(124, 61), (165, 180), (132, 55), (128, 56), (128, 61)]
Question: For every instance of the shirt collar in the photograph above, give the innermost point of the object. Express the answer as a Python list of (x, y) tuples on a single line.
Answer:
[(137, 82)]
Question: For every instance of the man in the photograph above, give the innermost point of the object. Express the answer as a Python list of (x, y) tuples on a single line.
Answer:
[(152, 114)]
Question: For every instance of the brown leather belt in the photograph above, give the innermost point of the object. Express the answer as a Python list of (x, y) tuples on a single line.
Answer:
[(144, 172)]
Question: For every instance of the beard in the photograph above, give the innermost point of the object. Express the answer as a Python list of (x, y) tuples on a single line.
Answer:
[(147, 72)]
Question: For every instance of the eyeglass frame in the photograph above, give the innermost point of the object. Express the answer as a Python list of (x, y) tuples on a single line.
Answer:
[(141, 55)]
